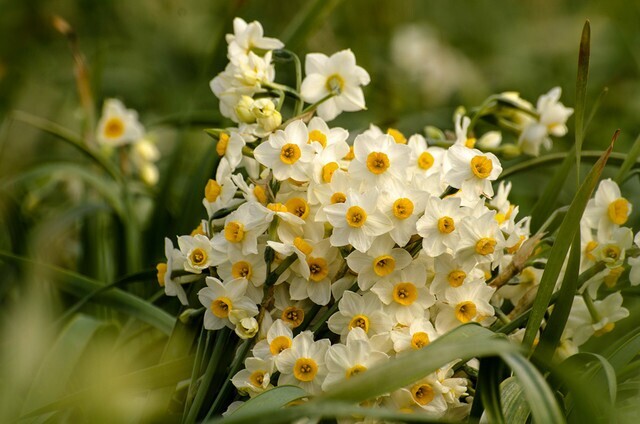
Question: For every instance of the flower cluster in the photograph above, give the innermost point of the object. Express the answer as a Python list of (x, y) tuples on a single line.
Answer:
[(380, 242)]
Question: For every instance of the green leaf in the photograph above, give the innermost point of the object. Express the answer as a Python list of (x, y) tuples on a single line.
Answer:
[(306, 21), (581, 89), (488, 389), (275, 398), (558, 253), (80, 286), (629, 162), (620, 353), (516, 409)]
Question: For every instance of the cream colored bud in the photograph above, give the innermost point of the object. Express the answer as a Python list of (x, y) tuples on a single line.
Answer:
[(149, 173), (246, 328), (266, 114), (243, 110), (147, 150)]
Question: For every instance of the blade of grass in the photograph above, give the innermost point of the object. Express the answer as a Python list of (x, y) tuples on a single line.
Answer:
[(629, 162), (581, 91), (558, 253), (516, 409), (488, 391)]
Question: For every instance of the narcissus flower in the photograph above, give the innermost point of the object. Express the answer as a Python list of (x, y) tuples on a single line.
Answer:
[(338, 75), (222, 300), (249, 37), (303, 365), (378, 160), (608, 209), (581, 325), (471, 171), (440, 224), (199, 253), (380, 260), (360, 311), (467, 303), (279, 338), (118, 125), (255, 378)]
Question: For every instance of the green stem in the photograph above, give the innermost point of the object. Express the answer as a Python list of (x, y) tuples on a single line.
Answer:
[(591, 307)]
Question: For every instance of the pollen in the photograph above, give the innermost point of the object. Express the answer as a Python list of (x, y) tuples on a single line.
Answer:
[(425, 160), (162, 271), (356, 216), (221, 307), (198, 257), (221, 146), (456, 277), (212, 190), (446, 225), (377, 162), (290, 153), (292, 315), (234, 232), (328, 170), (384, 265), (318, 269), (405, 293), (257, 378), (470, 142), (611, 279), (481, 166), (305, 369), (465, 311), (242, 269), (114, 128), (361, 321), (302, 245), (260, 194), (398, 137), (298, 206), (423, 394), (419, 340), (355, 370), (604, 330), (318, 136), (277, 207), (618, 211), (335, 84), (338, 197), (485, 246), (402, 208), (279, 345)]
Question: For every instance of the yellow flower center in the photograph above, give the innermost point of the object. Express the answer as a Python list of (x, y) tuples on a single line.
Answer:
[(356, 216), (338, 197), (384, 265), (398, 137), (277, 207), (425, 160), (360, 321), (257, 378), (456, 277), (589, 249), (402, 208), (260, 194), (198, 256), (465, 311), (355, 370), (328, 170), (350, 154), (221, 146), (298, 206), (290, 153), (302, 245), (513, 249), (611, 252), (377, 162), (335, 84), (242, 269), (318, 268), (292, 315), (422, 393), (485, 246), (234, 232), (446, 225), (212, 190), (162, 271), (618, 211), (470, 142), (481, 166), (198, 230), (114, 128), (305, 369), (613, 276), (604, 330), (405, 293), (318, 136), (279, 344), (419, 340), (221, 307)]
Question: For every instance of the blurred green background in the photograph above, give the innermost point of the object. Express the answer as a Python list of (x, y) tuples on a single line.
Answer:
[(425, 58)]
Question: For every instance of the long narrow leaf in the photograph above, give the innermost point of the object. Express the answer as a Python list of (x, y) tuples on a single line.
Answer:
[(581, 89), (629, 162)]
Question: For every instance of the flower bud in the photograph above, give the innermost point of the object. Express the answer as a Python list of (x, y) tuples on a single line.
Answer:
[(243, 110), (266, 114)]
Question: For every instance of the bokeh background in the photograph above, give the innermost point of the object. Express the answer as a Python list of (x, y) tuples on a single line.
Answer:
[(425, 58)]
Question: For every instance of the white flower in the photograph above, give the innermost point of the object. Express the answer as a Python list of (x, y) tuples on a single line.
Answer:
[(608, 209), (255, 378), (175, 261), (345, 361), (405, 294), (380, 260), (279, 338), (337, 75), (403, 205), (471, 171), (118, 125), (424, 160), (249, 37), (450, 272), (581, 325), (221, 300), (241, 230), (552, 121), (481, 240), (360, 311), (322, 264), (199, 253), (421, 397), (469, 302), (378, 160), (303, 365), (612, 252), (251, 267), (229, 148), (322, 136), (418, 335), (357, 221), (287, 152), (440, 224), (219, 196), (267, 116)]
